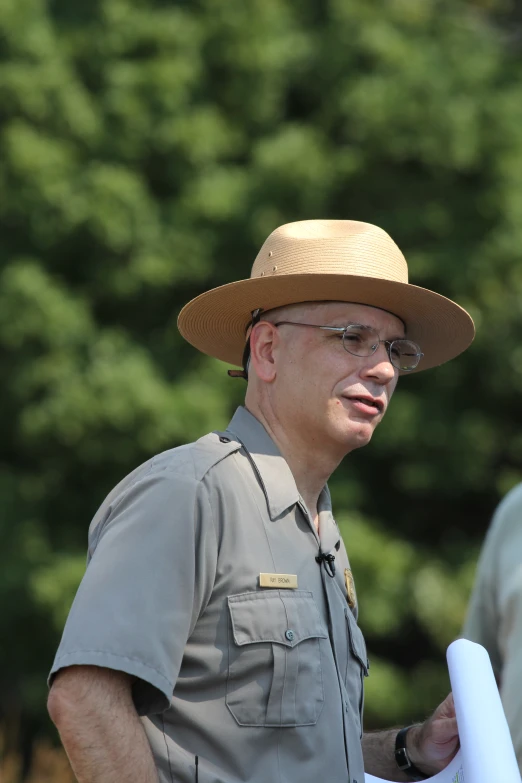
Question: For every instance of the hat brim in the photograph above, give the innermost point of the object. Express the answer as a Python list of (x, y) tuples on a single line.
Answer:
[(216, 321)]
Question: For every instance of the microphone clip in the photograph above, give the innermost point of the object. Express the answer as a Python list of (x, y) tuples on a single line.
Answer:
[(329, 562)]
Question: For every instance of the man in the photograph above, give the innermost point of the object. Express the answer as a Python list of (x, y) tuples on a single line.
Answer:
[(218, 603), (495, 610)]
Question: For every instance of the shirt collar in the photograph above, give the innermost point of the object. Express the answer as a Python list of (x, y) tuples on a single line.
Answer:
[(328, 530), (276, 477)]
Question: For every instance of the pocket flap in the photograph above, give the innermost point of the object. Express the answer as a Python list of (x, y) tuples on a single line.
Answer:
[(281, 616), (357, 643)]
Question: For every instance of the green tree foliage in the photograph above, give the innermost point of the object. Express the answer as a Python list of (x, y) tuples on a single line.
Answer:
[(147, 148)]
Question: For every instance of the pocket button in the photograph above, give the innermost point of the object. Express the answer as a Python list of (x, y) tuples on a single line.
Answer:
[(290, 635)]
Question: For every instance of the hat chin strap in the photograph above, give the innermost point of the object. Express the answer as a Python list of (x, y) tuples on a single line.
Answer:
[(256, 317), (238, 374)]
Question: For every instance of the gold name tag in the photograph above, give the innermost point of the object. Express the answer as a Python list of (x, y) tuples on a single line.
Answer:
[(278, 580)]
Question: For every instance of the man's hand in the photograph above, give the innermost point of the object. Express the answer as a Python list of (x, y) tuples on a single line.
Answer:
[(432, 744)]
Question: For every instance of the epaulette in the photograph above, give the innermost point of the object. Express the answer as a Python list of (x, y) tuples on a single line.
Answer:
[(211, 449)]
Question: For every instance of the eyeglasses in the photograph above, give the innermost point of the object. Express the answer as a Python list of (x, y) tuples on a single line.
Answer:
[(361, 340)]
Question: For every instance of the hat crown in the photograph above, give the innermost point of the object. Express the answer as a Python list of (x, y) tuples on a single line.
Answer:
[(346, 247)]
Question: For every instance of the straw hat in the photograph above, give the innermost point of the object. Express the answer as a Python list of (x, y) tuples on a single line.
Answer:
[(321, 260)]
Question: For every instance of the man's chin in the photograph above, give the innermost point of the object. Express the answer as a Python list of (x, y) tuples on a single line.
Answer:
[(352, 439), (362, 440)]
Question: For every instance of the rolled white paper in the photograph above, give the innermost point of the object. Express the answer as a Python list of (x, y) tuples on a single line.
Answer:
[(486, 752)]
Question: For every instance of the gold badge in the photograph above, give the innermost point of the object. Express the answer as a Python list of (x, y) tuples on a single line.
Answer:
[(278, 580), (350, 588)]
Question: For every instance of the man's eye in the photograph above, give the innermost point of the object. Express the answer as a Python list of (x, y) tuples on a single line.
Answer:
[(349, 337)]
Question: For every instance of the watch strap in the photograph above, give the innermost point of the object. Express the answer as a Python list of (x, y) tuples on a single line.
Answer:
[(402, 757)]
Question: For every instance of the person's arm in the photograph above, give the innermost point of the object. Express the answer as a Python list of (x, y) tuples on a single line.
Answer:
[(93, 710), (431, 745)]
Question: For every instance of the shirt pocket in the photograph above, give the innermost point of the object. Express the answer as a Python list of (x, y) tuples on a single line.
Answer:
[(274, 668), (357, 667)]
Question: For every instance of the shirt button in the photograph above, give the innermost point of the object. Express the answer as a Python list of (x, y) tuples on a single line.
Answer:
[(290, 635)]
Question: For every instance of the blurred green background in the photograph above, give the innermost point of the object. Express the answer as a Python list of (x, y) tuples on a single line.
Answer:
[(147, 148)]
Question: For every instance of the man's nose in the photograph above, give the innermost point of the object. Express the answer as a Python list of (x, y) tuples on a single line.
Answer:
[(379, 367)]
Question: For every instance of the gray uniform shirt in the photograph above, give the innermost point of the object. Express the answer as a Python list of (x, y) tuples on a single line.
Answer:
[(263, 684), (495, 611)]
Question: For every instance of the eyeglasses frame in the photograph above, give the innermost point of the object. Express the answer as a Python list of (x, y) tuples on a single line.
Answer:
[(387, 343)]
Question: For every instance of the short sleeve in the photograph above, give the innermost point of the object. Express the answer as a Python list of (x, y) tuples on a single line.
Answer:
[(149, 577)]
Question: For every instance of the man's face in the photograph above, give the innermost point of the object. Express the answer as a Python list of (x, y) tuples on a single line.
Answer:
[(330, 395)]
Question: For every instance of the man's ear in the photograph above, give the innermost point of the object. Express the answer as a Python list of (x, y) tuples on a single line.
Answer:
[(264, 340)]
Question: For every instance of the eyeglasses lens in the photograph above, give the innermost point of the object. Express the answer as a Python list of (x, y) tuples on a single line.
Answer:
[(360, 340), (404, 354)]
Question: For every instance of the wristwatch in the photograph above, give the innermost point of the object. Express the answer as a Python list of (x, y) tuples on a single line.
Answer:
[(402, 758)]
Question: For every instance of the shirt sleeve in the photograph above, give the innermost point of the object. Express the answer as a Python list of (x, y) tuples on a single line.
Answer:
[(484, 618), (150, 576)]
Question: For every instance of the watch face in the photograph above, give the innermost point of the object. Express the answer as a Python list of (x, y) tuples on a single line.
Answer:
[(402, 758), (404, 764)]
